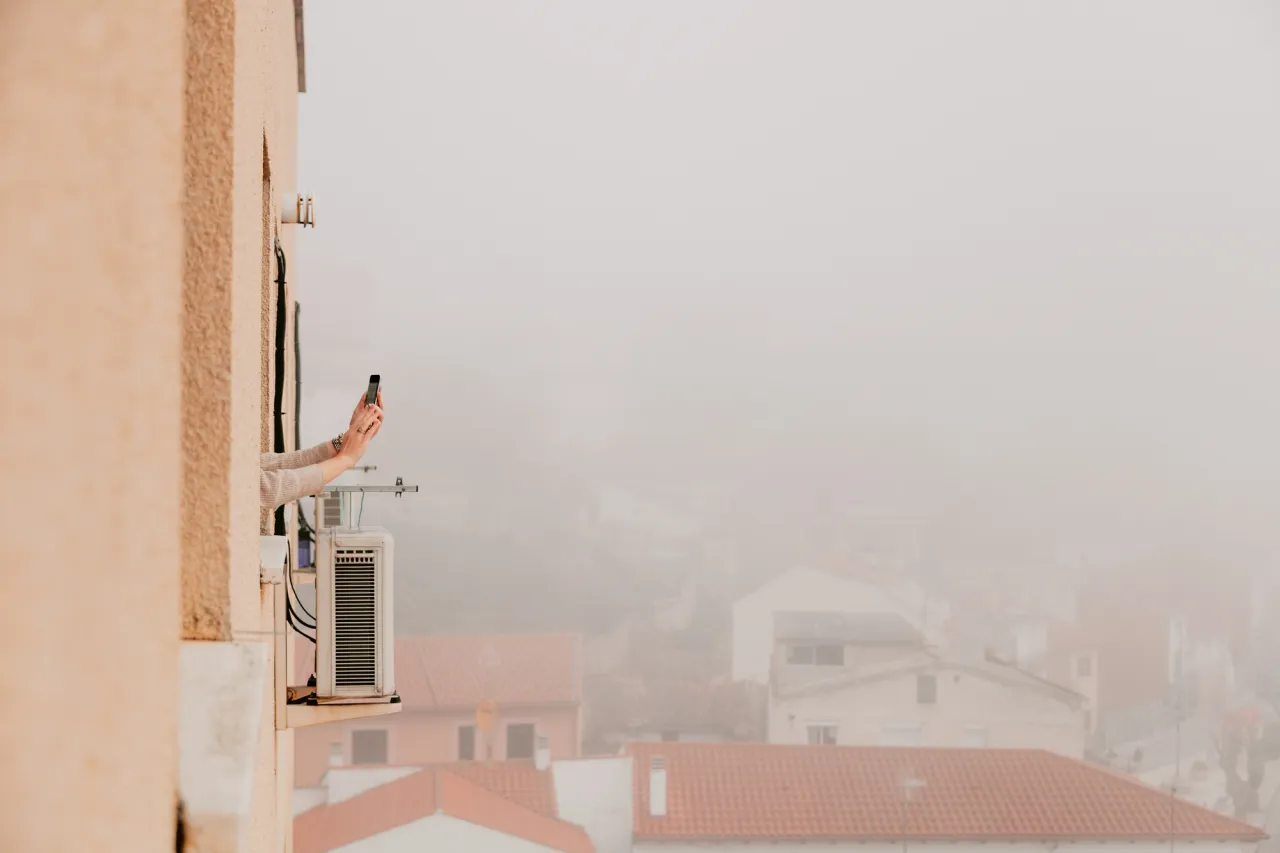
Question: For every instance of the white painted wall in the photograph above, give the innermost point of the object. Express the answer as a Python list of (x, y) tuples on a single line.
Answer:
[(306, 799), (595, 793), (221, 686), (881, 713), (343, 783), (441, 832), (941, 847), (803, 590)]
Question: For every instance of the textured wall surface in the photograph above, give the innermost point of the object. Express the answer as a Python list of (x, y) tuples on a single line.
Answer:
[(207, 319), (240, 127), (133, 221), (90, 274), (241, 140)]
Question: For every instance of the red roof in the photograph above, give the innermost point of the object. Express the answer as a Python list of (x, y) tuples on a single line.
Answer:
[(730, 791), (518, 781), (421, 795), (461, 672)]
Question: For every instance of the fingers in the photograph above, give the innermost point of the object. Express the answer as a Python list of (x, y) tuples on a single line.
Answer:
[(368, 419)]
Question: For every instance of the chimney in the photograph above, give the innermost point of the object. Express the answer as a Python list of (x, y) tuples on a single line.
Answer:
[(657, 786), (335, 754), (542, 753)]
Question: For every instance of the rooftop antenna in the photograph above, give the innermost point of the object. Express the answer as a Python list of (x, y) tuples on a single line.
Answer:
[(346, 496), (1178, 682), (909, 785)]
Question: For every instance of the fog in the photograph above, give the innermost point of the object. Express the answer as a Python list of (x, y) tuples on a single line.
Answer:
[(957, 290)]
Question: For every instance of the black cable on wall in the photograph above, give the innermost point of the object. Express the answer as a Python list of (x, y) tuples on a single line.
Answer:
[(282, 320), (297, 379)]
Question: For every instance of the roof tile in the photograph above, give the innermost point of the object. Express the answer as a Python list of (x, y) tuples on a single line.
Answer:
[(437, 790), (756, 791)]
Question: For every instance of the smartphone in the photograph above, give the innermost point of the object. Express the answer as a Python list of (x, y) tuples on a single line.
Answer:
[(372, 396)]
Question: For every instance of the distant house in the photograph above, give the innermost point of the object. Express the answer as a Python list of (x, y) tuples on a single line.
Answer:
[(1030, 638), (736, 798), (532, 683), (921, 698), (811, 591), (503, 809)]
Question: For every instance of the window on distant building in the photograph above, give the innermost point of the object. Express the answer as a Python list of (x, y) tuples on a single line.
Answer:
[(466, 743), (927, 689), (1084, 666), (520, 738), (829, 655), (670, 737), (369, 746), (901, 735), (974, 736), (822, 734), (803, 655)]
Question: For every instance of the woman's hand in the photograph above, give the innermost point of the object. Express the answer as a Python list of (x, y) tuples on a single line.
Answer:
[(364, 426), (360, 406)]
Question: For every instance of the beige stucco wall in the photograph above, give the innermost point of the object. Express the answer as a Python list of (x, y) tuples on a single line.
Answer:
[(241, 103), (90, 274), (241, 142), (135, 228)]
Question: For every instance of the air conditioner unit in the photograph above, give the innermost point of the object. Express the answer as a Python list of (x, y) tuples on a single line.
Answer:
[(355, 637), (328, 510)]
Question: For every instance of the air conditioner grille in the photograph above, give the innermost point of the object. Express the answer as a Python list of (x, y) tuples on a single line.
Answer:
[(355, 618)]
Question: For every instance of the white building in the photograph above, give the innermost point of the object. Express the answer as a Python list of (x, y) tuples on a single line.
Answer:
[(595, 793), (741, 798), (922, 699), (809, 591)]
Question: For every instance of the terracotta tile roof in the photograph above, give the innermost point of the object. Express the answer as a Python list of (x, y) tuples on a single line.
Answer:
[(429, 792), (730, 791), (518, 781), (461, 672), (515, 780)]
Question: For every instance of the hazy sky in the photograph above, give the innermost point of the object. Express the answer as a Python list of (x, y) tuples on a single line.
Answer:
[(1011, 266)]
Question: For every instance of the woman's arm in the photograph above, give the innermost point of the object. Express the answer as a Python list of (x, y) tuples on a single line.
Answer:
[(281, 486), (313, 455), (297, 458), (277, 488)]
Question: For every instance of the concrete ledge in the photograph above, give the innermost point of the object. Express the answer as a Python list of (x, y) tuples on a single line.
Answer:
[(221, 688), (314, 715)]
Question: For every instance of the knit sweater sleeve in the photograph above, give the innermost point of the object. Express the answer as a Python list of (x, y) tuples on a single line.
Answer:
[(298, 458), (277, 488)]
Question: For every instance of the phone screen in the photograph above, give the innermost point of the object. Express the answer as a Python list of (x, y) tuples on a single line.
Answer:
[(372, 396)]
